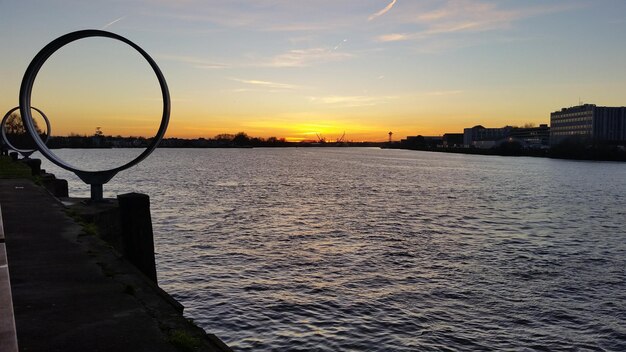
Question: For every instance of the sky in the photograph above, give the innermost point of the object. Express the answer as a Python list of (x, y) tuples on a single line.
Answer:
[(296, 69)]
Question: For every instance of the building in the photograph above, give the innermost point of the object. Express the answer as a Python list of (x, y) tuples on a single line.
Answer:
[(451, 140), (421, 141), (532, 137), (589, 123), (481, 137)]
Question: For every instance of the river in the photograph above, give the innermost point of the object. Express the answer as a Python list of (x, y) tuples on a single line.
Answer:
[(365, 249)]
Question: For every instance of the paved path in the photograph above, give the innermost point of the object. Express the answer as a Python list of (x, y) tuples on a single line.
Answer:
[(71, 292)]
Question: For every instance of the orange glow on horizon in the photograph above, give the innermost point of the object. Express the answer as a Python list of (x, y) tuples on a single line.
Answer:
[(188, 124), (295, 133)]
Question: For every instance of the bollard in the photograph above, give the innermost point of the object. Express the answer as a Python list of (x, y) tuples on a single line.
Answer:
[(137, 234), (58, 187), (35, 166)]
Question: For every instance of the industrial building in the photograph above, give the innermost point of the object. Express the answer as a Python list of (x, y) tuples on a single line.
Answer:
[(532, 137), (589, 123), (481, 137), (528, 137)]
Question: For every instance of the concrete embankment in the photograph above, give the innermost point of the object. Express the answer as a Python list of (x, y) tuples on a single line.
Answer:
[(73, 292)]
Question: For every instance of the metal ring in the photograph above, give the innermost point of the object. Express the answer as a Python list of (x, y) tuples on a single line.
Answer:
[(8, 143), (90, 177)]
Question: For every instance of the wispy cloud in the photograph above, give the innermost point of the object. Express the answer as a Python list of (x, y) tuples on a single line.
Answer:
[(394, 37), (308, 57), (292, 58), (444, 92), (383, 11), (297, 27), (270, 16), (112, 23), (267, 84), (352, 101), (195, 62), (465, 16)]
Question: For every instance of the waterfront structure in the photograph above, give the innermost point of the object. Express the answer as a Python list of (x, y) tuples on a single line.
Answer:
[(422, 141), (589, 123), (481, 137), (532, 137), (451, 140)]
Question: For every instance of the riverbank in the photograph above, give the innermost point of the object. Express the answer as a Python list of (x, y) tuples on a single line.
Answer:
[(73, 292), (567, 152)]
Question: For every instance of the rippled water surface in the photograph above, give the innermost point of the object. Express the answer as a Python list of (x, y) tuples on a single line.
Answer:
[(350, 249)]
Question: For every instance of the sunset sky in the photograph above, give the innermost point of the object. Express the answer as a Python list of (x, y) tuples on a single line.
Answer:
[(292, 68)]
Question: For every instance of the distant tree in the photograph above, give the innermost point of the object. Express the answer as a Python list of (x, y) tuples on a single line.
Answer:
[(529, 125), (16, 132), (224, 137), (241, 139), (13, 125)]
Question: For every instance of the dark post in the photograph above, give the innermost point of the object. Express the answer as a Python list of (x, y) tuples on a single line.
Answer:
[(58, 187), (35, 166), (96, 194), (137, 232)]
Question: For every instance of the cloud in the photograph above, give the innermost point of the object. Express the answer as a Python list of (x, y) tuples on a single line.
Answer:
[(352, 101), (292, 58), (308, 57), (444, 92), (383, 11), (393, 37), (465, 16), (195, 62), (266, 15), (267, 84), (298, 27)]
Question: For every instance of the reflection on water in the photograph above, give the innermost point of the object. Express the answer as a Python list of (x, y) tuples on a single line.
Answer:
[(92, 160), (388, 250)]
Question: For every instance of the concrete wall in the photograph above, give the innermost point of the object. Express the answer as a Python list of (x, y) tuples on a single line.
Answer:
[(8, 335)]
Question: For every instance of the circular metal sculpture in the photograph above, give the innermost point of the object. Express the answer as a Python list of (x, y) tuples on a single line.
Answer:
[(94, 178), (25, 152)]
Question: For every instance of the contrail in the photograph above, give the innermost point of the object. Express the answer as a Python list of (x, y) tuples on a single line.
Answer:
[(340, 44), (383, 11), (112, 22)]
